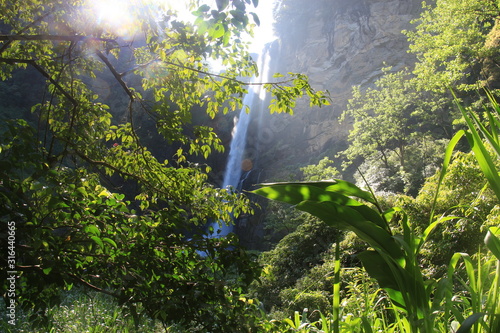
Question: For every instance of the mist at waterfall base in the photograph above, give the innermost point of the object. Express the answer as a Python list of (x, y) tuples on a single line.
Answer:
[(234, 175)]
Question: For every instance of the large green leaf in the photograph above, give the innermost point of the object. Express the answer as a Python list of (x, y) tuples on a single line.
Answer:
[(485, 161), (467, 323), (492, 241), (338, 186), (337, 191), (372, 215), (475, 135), (377, 267), (349, 189), (348, 218), (294, 193)]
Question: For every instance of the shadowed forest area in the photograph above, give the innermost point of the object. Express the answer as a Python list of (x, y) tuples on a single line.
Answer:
[(367, 188)]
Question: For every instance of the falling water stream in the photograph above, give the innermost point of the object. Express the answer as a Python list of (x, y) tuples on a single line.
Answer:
[(255, 99)]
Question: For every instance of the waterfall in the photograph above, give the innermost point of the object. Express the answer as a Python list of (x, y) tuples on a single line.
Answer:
[(255, 99)]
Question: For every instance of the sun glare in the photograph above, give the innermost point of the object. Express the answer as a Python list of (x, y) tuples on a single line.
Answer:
[(118, 16), (114, 14)]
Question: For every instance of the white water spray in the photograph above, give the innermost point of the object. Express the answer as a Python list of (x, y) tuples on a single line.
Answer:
[(255, 99)]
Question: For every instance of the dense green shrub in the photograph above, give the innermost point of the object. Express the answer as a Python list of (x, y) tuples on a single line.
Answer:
[(295, 254), (464, 194), (308, 301)]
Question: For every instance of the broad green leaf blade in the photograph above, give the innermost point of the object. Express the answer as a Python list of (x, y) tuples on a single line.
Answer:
[(469, 267), (338, 186), (221, 4), (98, 241), (492, 241), (430, 228), (338, 192), (91, 229), (349, 219), (447, 158), (480, 152), (467, 323), (485, 162), (378, 268), (373, 216), (294, 193), (349, 189), (255, 18), (366, 325), (110, 241)]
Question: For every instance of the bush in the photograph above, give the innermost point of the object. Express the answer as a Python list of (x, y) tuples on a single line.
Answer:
[(294, 256)]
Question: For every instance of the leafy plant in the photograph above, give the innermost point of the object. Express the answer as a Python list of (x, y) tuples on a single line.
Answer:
[(393, 260), (393, 257), (92, 205)]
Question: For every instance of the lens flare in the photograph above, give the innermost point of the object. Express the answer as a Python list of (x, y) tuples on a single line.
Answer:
[(115, 15)]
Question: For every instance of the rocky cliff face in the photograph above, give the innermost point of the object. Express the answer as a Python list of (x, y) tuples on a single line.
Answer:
[(338, 44)]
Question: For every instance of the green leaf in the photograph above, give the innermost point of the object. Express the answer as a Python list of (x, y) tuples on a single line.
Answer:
[(110, 241), (104, 193), (492, 241), (47, 270), (349, 219), (310, 189), (91, 229), (218, 31), (377, 267), (204, 8), (480, 152), (82, 191), (338, 191), (467, 323), (97, 240)]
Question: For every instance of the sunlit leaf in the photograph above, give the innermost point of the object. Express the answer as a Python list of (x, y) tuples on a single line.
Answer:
[(97, 240), (492, 241)]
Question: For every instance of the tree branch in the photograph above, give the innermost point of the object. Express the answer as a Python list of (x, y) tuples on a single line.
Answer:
[(36, 21), (68, 38), (91, 286), (44, 73), (227, 77), (117, 75)]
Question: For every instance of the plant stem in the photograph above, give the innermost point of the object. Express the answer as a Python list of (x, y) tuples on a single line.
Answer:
[(336, 290)]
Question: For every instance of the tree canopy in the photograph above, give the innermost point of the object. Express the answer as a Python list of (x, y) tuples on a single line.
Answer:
[(92, 205), (400, 123), (394, 131), (450, 42)]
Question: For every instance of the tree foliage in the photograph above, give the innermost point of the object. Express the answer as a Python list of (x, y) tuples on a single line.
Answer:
[(291, 259), (450, 42), (395, 131), (91, 204), (321, 171)]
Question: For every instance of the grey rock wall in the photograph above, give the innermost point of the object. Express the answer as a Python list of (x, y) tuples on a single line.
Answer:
[(338, 44)]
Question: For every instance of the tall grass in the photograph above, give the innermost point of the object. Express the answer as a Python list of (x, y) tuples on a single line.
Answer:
[(81, 311)]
